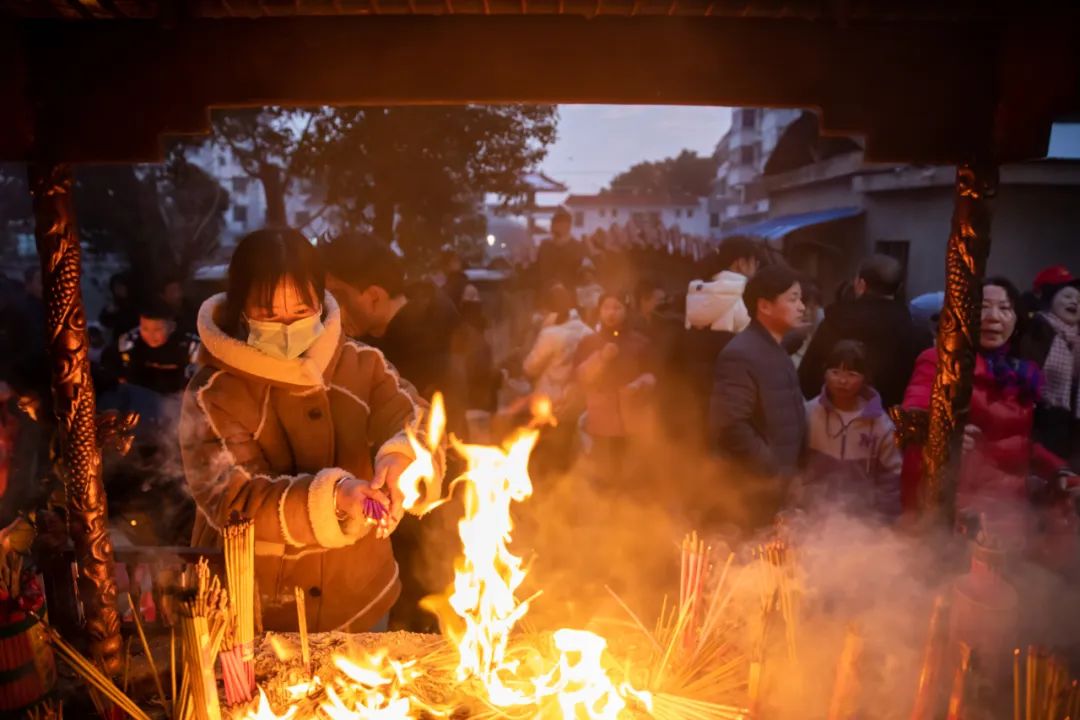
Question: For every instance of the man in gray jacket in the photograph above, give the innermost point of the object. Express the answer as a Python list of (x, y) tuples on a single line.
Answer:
[(757, 416)]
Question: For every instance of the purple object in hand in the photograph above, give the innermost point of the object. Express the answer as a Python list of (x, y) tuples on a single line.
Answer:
[(373, 509)]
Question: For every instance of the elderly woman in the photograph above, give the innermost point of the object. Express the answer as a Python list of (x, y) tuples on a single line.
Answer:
[(999, 453), (1054, 343), (293, 425)]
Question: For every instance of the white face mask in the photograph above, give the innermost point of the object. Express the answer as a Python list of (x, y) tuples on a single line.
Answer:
[(285, 342)]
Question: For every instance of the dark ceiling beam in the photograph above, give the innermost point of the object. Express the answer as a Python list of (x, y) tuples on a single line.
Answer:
[(918, 92)]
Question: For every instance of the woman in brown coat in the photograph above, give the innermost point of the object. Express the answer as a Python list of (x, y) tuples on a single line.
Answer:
[(290, 423)]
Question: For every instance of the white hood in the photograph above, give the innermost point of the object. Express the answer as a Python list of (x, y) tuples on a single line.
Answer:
[(233, 354), (718, 304)]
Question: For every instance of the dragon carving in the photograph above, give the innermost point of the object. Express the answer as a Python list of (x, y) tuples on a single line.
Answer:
[(958, 334), (74, 405)]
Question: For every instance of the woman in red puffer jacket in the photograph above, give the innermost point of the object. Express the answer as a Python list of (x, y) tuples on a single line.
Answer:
[(999, 452)]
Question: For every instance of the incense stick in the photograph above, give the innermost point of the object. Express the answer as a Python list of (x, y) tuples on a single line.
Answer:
[(172, 667), (150, 658), (1017, 693), (92, 675), (301, 621)]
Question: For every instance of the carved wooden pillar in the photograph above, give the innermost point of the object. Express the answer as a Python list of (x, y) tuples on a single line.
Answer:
[(958, 336), (74, 403)]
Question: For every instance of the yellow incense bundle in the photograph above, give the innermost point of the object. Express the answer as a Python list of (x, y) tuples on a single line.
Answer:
[(200, 667), (239, 541), (203, 617)]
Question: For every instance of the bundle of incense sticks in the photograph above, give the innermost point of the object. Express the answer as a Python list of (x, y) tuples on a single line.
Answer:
[(94, 677), (1046, 691), (195, 629), (204, 616), (777, 587), (239, 537), (374, 510), (233, 672), (694, 567)]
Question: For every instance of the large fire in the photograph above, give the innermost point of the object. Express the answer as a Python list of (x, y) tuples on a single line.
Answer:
[(575, 679)]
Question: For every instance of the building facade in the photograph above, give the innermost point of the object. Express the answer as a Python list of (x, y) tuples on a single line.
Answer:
[(743, 152), (594, 212), (247, 200), (829, 209)]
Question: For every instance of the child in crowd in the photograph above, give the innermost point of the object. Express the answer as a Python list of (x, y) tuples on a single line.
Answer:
[(853, 457)]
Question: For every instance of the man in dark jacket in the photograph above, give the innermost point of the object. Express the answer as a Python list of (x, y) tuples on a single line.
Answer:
[(413, 325), (758, 416), (559, 258), (878, 320)]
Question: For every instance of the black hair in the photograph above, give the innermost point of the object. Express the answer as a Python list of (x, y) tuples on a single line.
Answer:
[(264, 258), (560, 301), (156, 309), (850, 355), (737, 247), (882, 274), (769, 283), (811, 293), (845, 292), (1013, 293), (362, 261), (646, 285), (614, 294), (562, 214)]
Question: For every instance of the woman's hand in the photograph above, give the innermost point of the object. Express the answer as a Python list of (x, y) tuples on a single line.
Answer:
[(350, 496), (971, 437), (388, 469)]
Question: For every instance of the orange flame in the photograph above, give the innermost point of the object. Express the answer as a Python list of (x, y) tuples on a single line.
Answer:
[(483, 597), (422, 470), (488, 574), (480, 611)]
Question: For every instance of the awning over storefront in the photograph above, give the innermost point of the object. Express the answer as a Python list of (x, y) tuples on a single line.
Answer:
[(775, 229)]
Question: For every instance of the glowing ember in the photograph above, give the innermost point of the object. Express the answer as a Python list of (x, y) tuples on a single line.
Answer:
[(543, 412)]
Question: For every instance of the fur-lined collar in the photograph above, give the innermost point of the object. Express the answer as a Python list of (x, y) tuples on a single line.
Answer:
[(237, 356)]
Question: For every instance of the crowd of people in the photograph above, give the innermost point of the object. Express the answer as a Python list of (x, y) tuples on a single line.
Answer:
[(293, 389), (750, 366)]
